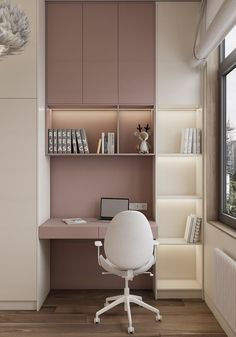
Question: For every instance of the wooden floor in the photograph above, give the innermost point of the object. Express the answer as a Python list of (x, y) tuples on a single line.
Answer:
[(71, 314)]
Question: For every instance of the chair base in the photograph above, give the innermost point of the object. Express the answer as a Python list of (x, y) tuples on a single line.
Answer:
[(126, 299)]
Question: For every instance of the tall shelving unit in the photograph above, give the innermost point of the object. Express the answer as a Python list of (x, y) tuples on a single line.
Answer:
[(179, 180)]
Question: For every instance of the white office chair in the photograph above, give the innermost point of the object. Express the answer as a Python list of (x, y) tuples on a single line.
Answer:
[(128, 247)]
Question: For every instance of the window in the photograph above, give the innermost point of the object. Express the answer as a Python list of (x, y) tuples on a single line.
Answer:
[(228, 130)]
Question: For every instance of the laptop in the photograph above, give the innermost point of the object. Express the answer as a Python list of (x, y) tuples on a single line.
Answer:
[(109, 207)]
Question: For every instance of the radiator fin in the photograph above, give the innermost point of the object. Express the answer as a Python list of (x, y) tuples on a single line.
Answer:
[(225, 286)]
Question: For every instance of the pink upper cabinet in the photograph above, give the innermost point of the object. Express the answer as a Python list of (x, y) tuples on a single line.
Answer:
[(136, 53), (64, 53), (100, 53)]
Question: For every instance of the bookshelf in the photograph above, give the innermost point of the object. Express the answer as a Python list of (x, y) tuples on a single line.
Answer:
[(123, 121), (179, 186)]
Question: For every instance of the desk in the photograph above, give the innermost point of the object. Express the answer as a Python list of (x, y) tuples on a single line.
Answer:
[(74, 257), (55, 228)]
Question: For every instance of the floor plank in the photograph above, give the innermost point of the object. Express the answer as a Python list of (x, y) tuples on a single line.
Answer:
[(71, 314)]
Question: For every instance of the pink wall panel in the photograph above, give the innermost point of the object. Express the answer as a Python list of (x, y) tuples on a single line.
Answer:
[(136, 53), (100, 53), (77, 184), (74, 266), (64, 53)]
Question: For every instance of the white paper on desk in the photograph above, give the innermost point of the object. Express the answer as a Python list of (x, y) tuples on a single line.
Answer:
[(74, 221)]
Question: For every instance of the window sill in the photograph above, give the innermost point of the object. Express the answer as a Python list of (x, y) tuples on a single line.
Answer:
[(224, 228)]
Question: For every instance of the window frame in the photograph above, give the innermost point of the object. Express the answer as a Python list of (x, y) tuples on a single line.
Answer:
[(227, 64)]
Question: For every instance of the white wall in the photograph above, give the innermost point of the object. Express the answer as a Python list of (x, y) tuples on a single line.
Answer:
[(178, 84)]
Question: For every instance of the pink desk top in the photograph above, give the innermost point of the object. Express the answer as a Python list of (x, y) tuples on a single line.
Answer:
[(55, 228)]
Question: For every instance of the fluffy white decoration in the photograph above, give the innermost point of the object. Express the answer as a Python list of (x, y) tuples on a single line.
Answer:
[(14, 27)]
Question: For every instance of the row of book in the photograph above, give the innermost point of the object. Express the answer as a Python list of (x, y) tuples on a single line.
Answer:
[(192, 229), (191, 141), (106, 144), (67, 141)]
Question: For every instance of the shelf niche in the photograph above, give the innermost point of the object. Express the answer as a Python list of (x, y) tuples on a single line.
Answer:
[(184, 271), (170, 123), (172, 216), (122, 121), (178, 176)]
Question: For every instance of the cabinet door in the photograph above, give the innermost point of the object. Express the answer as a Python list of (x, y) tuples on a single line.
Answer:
[(64, 53), (100, 53), (136, 53)]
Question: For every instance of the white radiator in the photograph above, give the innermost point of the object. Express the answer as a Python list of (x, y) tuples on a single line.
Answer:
[(225, 286)]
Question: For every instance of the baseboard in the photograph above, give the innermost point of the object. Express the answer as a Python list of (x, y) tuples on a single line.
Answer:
[(167, 294), (225, 326), (18, 305)]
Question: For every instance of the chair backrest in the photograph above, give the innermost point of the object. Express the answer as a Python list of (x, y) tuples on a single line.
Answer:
[(128, 241)]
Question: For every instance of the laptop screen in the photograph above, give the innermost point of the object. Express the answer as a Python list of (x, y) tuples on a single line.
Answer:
[(111, 206)]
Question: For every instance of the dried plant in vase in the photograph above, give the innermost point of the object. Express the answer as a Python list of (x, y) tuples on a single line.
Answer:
[(14, 28), (143, 136)]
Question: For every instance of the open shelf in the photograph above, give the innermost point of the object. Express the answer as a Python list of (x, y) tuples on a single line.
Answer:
[(179, 155), (101, 154), (178, 285), (172, 215), (179, 175), (170, 123), (175, 241), (128, 122), (187, 197), (120, 120), (179, 265)]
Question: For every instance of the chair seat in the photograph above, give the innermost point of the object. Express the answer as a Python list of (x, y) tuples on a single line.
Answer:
[(111, 268)]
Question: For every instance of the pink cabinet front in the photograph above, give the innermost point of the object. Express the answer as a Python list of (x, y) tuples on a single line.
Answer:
[(100, 53), (136, 53), (64, 53)]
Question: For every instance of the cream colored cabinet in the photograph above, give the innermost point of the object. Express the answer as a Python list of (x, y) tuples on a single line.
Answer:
[(179, 188)]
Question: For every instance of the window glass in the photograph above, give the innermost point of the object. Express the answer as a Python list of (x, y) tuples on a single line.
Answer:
[(230, 145), (230, 42)]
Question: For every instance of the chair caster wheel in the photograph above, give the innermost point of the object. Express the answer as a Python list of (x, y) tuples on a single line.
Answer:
[(96, 320), (158, 318), (130, 329)]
